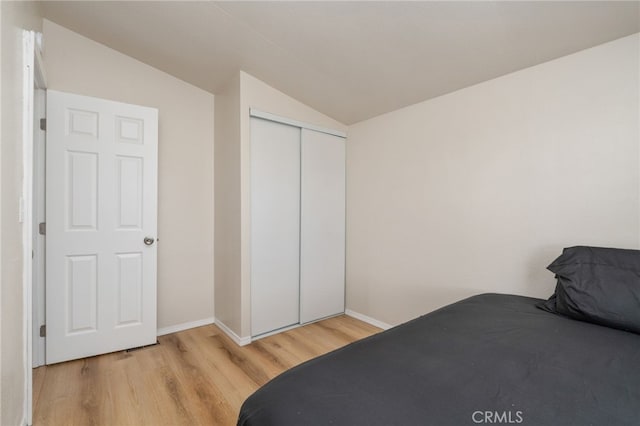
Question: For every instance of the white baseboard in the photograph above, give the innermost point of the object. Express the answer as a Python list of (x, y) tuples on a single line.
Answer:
[(374, 322), (278, 331), (240, 341), (185, 326)]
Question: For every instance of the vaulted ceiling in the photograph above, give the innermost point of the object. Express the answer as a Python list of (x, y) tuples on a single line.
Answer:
[(349, 60)]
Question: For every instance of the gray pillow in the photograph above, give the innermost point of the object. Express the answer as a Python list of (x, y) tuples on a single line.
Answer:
[(599, 285)]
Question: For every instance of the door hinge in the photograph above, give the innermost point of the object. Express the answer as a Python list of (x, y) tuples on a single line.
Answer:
[(43, 124), (42, 228), (43, 330)]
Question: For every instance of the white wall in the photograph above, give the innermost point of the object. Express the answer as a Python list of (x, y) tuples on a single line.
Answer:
[(185, 218), (14, 17), (227, 206), (479, 190)]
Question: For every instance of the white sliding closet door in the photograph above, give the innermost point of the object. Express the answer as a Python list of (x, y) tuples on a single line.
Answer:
[(322, 227), (275, 225)]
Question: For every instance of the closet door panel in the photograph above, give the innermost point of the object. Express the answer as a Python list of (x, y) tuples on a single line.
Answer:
[(275, 225), (322, 245)]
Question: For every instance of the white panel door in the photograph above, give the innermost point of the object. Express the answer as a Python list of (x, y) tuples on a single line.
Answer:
[(275, 225), (322, 228), (101, 215)]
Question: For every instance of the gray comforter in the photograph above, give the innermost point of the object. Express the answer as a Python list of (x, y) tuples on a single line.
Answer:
[(489, 359)]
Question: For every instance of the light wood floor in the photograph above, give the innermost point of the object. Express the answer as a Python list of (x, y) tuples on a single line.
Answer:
[(195, 377)]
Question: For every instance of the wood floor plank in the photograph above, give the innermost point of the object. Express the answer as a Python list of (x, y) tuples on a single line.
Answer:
[(38, 381), (195, 377), (126, 392), (207, 401)]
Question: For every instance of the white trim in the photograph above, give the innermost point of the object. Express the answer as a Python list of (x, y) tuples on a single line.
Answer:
[(185, 326), (322, 319), (374, 322), (294, 326), (26, 209), (284, 120), (278, 331), (38, 186), (240, 341), (40, 76)]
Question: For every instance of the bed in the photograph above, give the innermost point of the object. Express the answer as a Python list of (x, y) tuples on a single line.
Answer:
[(488, 359)]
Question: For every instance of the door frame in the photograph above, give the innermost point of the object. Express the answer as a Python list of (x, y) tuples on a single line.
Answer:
[(33, 76), (38, 240)]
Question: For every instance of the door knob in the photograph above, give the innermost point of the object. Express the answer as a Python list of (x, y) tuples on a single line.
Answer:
[(148, 241)]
